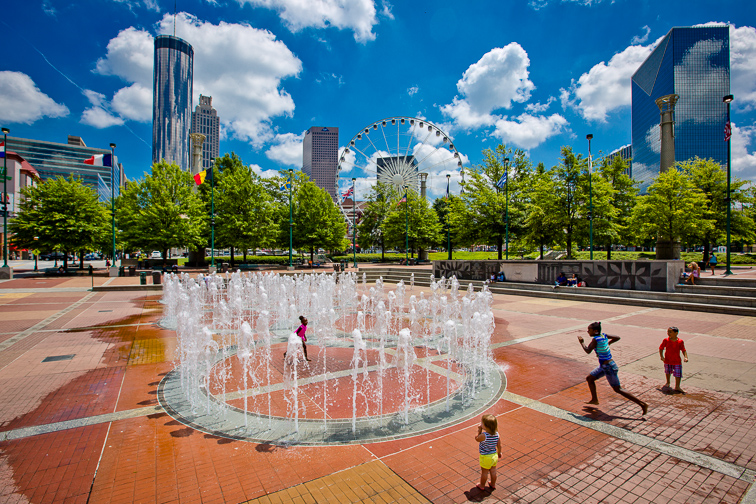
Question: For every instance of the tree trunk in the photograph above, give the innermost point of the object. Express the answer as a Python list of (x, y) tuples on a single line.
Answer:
[(707, 248), (540, 248), (244, 255), (312, 257), (609, 253), (232, 256), (569, 244), (81, 259), (383, 250), (499, 245)]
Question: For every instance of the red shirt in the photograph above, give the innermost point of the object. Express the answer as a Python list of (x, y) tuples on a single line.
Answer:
[(672, 355)]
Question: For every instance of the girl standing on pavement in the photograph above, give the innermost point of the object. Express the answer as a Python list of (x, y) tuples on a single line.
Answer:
[(489, 449)]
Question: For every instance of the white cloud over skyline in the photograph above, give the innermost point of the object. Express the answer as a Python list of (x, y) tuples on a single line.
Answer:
[(286, 149), (22, 101)]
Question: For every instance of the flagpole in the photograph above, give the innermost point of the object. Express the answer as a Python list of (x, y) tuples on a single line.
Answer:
[(406, 228), (112, 198), (212, 215), (727, 99), (354, 221), (5, 197), (589, 136), (506, 203), (291, 217), (448, 228)]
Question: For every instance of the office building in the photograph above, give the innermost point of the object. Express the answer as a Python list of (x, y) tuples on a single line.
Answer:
[(205, 120), (172, 100), (694, 64), (320, 158), (51, 160), (625, 152)]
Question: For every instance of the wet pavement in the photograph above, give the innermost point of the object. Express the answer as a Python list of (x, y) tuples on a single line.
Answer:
[(80, 419)]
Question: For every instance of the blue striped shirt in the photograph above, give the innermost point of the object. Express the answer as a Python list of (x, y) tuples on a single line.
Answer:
[(602, 348), (488, 446)]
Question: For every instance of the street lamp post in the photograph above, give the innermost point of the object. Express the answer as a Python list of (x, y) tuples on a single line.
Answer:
[(5, 197), (112, 199), (589, 136), (406, 227), (212, 215), (448, 228), (506, 204), (291, 217), (728, 134), (354, 221)]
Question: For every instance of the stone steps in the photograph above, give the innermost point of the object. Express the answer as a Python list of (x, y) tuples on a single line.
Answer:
[(725, 300)]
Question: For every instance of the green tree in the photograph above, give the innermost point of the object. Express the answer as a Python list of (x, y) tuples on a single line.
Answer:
[(162, 211), (709, 177), (486, 205), (623, 197), (673, 209), (444, 207), (61, 214), (376, 207), (245, 215), (318, 222), (541, 228), (412, 220), (570, 189)]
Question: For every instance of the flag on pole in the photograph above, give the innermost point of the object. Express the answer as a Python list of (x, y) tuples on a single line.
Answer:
[(502, 181), (2, 149), (403, 200), (286, 186), (100, 160), (347, 193), (204, 175), (728, 131)]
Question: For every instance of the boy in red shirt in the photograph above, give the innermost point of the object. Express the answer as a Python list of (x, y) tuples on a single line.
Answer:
[(671, 359)]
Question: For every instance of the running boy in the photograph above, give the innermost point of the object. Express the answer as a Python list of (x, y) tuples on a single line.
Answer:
[(671, 359), (607, 366), (489, 449)]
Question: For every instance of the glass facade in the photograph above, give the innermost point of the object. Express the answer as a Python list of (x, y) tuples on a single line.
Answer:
[(320, 158), (172, 100), (693, 63), (53, 160)]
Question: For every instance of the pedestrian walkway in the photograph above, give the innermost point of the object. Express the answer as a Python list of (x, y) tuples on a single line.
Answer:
[(80, 420)]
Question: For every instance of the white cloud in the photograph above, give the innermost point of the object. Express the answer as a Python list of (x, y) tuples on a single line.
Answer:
[(241, 67), (356, 15), (148, 4), (642, 39), (134, 103), (286, 149), (743, 161), (349, 160), (21, 101), (540, 4), (97, 115), (529, 131), (264, 173), (696, 101), (606, 86), (413, 90), (47, 8), (538, 107), (743, 66)]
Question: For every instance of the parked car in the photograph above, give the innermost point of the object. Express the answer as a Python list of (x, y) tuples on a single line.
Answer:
[(156, 254), (92, 256), (53, 256)]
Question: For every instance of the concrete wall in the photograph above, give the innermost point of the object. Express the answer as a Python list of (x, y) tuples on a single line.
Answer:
[(658, 276)]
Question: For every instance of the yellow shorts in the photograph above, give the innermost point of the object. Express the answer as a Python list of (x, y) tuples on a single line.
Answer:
[(488, 461)]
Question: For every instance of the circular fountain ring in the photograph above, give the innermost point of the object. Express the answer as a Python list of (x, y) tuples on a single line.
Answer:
[(318, 432)]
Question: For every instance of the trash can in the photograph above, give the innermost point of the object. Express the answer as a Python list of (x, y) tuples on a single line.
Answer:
[(336, 267), (224, 267), (132, 271), (157, 278), (142, 278), (121, 272)]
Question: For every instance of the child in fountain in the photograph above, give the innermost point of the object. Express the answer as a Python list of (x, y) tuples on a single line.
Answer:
[(489, 449), (301, 330)]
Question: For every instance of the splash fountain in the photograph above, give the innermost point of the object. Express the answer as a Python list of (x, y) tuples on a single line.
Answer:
[(381, 368)]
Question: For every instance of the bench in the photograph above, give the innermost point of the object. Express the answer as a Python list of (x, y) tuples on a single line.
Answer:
[(251, 267)]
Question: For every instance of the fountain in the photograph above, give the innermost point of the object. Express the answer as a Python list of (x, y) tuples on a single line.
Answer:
[(383, 366)]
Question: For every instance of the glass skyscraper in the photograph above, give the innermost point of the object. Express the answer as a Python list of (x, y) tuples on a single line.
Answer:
[(172, 100), (693, 63)]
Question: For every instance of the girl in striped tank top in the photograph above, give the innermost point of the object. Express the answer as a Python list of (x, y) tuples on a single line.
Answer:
[(489, 449)]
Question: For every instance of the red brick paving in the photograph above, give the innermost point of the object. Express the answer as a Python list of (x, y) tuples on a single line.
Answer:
[(156, 459)]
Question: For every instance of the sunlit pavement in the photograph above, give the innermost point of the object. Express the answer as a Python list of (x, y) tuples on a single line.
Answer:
[(80, 421)]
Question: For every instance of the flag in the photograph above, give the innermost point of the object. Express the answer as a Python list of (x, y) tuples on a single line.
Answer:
[(2, 149), (347, 193), (204, 175), (403, 200), (502, 181), (100, 160), (728, 131), (286, 186), (447, 188)]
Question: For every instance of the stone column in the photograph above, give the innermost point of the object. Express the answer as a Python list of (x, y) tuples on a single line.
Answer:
[(666, 106), (197, 257)]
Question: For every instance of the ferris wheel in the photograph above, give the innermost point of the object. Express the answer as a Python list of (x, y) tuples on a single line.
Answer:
[(396, 151)]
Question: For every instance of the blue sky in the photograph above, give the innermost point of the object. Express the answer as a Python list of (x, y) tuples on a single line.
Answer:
[(533, 74)]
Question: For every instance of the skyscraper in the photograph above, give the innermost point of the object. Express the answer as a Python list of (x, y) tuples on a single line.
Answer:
[(693, 63), (172, 100), (320, 159), (205, 120)]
